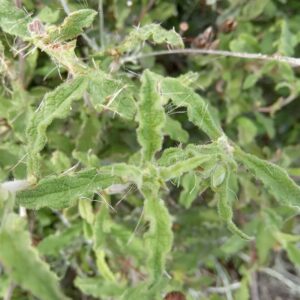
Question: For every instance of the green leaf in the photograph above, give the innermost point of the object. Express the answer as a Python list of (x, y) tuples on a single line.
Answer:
[(153, 32), (151, 116), (293, 253), (287, 40), (98, 288), (103, 266), (23, 264), (218, 176), (174, 129), (13, 20), (73, 25), (247, 130), (109, 94), (264, 240), (183, 166), (159, 237), (225, 209), (85, 209), (138, 292), (243, 291), (55, 104), (55, 243), (192, 185), (197, 109), (276, 179), (62, 191), (101, 230), (254, 8), (173, 155), (102, 226)]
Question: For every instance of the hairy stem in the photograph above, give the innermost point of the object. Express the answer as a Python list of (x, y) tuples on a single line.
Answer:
[(295, 62)]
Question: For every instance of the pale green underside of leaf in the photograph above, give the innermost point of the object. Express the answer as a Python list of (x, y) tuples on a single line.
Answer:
[(108, 94), (13, 20), (174, 155), (197, 109), (73, 25), (174, 129), (154, 33), (275, 178), (23, 264), (103, 266), (192, 186), (159, 238), (151, 116), (225, 209), (183, 166), (101, 226), (56, 104)]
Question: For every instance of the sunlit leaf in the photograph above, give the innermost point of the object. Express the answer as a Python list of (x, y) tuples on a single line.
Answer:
[(13, 20), (72, 26)]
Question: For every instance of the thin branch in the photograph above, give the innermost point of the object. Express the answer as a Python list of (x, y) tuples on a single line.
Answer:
[(225, 280), (223, 290), (254, 287), (295, 62), (89, 41), (65, 6), (294, 287), (9, 292), (281, 102), (145, 10)]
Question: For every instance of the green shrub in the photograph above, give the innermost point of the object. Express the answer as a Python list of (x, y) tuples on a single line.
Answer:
[(129, 172)]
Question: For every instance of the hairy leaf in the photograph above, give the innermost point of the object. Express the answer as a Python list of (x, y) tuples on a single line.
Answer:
[(225, 209), (103, 266), (55, 104), (153, 32), (284, 189), (159, 237), (218, 175), (23, 264), (192, 186), (151, 116), (183, 166), (13, 20), (174, 129), (102, 226), (109, 94), (54, 243), (62, 191), (197, 109), (73, 25)]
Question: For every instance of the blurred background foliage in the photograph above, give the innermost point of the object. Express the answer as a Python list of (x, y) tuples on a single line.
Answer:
[(256, 103)]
